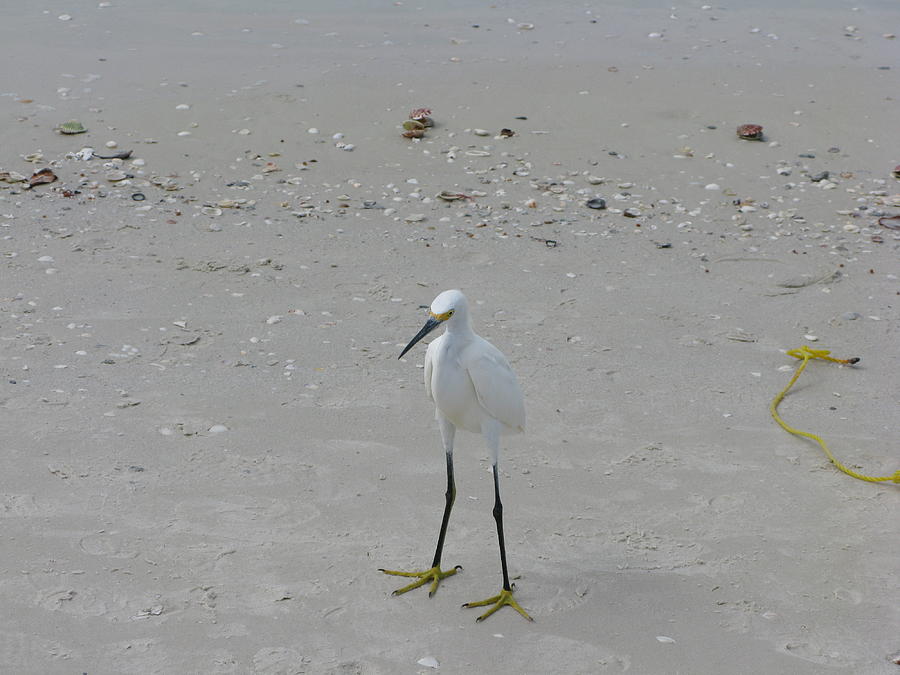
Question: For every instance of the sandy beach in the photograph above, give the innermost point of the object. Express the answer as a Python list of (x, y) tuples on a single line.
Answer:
[(208, 445)]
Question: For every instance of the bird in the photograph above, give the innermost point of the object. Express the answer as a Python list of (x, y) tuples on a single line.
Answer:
[(473, 388)]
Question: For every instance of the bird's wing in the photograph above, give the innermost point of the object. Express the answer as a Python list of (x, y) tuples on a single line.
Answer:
[(429, 365), (496, 387)]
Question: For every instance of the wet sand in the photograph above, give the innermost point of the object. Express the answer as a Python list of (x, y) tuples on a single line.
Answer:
[(210, 446)]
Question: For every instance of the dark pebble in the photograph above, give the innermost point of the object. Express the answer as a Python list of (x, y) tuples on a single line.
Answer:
[(834, 149), (596, 203), (807, 155), (521, 117), (819, 177)]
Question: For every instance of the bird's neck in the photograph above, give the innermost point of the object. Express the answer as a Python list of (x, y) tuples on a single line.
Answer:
[(460, 327)]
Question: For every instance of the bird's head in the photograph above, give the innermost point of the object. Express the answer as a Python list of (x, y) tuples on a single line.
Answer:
[(448, 306)]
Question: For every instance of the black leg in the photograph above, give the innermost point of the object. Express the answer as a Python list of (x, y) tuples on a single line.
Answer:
[(505, 596), (498, 516), (435, 575), (450, 497)]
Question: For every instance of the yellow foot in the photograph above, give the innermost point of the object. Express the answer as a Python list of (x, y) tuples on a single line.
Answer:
[(434, 575), (504, 598)]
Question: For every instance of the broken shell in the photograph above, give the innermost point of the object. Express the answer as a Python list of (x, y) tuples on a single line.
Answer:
[(750, 132), (72, 127), (124, 154), (507, 133), (11, 177), (41, 177), (413, 133), (116, 175), (596, 203), (449, 196), (413, 125), (896, 172), (422, 115)]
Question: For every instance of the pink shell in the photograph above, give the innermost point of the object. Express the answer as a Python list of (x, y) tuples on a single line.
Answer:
[(751, 132)]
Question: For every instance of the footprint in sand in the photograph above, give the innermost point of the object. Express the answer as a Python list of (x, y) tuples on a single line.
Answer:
[(110, 545)]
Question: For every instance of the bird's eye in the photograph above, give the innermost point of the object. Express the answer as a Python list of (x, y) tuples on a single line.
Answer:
[(450, 313)]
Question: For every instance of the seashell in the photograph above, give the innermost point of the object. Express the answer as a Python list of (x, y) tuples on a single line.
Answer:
[(124, 154), (116, 175), (41, 177), (72, 127), (164, 183), (478, 153), (449, 196), (896, 172), (413, 133), (422, 115), (413, 125), (750, 132), (11, 177), (596, 203), (507, 133)]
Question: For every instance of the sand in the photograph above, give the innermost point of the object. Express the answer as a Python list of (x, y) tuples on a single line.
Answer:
[(209, 446)]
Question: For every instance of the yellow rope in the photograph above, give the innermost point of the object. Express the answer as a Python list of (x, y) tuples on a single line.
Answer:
[(807, 354)]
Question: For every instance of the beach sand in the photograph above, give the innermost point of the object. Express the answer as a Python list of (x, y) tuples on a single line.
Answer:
[(209, 447)]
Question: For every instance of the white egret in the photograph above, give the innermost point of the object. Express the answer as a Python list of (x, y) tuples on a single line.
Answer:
[(473, 388)]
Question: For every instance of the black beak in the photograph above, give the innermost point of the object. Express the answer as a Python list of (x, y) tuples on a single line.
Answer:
[(429, 326)]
